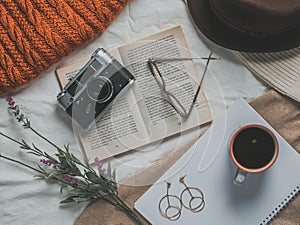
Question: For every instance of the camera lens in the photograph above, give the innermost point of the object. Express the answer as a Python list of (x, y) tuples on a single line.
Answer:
[(100, 89)]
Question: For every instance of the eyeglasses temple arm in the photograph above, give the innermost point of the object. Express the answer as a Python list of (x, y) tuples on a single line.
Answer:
[(158, 59), (151, 64), (200, 84)]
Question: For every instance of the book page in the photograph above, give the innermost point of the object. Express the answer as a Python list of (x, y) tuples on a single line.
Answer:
[(119, 130), (180, 77)]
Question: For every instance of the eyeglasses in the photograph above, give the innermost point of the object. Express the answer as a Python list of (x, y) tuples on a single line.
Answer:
[(167, 95)]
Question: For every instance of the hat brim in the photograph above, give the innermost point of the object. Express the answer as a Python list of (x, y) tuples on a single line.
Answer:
[(227, 36)]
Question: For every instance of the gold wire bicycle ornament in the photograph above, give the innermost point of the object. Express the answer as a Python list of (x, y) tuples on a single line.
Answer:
[(172, 211), (195, 197), (170, 205)]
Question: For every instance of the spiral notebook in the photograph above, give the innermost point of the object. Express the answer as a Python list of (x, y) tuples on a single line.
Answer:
[(207, 166)]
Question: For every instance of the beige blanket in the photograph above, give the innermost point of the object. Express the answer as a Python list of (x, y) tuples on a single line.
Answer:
[(281, 112), (278, 69)]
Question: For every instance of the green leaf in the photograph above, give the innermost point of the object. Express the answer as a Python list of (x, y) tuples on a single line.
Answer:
[(35, 147), (114, 175), (63, 161), (70, 188), (75, 159), (42, 176), (53, 174), (92, 176), (75, 198), (25, 145), (42, 169), (60, 152), (80, 199), (67, 147), (109, 173), (34, 153), (37, 150), (67, 200)]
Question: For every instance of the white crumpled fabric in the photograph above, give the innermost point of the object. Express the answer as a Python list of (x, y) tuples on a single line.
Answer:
[(25, 199)]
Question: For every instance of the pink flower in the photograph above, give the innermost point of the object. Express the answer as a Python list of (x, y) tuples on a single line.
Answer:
[(99, 164), (69, 179), (47, 162), (11, 102)]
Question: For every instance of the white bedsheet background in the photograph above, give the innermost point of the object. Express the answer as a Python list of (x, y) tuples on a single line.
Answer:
[(27, 200)]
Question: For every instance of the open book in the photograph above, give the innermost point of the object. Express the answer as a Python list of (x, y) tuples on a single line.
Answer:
[(141, 116)]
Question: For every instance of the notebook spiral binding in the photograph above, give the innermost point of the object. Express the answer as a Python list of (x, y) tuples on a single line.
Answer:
[(281, 206)]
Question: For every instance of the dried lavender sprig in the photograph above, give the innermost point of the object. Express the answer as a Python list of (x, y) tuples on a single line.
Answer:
[(86, 189), (26, 124), (86, 186), (22, 118)]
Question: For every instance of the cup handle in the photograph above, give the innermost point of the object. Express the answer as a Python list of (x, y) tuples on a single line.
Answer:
[(240, 177)]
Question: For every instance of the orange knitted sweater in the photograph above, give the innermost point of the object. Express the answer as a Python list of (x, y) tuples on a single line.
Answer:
[(35, 34)]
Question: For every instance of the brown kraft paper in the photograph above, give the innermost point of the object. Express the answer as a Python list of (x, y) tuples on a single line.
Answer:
[(281, 112)]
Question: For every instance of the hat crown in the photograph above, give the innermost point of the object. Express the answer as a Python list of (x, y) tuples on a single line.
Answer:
[(259, 16)]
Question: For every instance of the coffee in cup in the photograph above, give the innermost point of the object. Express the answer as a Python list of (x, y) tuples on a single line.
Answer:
[(253, 149)]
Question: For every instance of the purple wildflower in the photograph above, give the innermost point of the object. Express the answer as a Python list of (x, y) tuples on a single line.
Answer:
[(17, 112), (99, 164), (11, 102), (69, 179), (47, 162)]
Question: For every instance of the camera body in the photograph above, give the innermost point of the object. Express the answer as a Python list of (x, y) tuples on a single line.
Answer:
[(93, 90)]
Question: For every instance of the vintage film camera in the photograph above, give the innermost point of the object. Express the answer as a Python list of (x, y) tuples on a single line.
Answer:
[(93, 90)]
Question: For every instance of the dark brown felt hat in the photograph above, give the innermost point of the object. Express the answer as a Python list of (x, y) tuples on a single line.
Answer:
[(248, 25)]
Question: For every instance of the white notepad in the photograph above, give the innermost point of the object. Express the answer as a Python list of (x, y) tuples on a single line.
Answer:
[(207, 165)]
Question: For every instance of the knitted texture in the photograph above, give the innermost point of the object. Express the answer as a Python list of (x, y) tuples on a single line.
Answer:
[(35, 34)]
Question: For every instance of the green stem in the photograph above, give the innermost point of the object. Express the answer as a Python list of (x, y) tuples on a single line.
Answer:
[(41, 136), (23, 164), (12, 139)]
